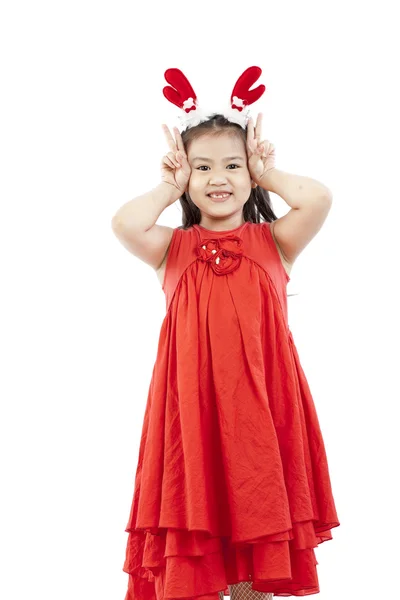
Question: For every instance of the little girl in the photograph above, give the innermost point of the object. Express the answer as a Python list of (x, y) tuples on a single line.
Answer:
[(232, 490)]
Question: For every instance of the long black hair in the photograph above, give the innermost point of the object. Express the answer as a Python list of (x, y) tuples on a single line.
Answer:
[(259, 202)]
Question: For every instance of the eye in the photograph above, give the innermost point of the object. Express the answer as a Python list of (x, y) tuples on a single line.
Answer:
[(231, 165)]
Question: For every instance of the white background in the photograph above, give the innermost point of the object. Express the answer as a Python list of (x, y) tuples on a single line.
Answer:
[(81, 113)]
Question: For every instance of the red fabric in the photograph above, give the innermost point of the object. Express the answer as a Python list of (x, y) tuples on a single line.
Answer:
[(232, 482)]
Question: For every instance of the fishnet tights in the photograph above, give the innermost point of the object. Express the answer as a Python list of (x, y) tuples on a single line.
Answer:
[(244, 591)]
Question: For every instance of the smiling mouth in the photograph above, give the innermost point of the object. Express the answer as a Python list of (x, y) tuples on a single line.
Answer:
[(220, 198)]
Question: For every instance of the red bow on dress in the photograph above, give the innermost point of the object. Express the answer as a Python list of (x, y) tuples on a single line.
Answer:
[(223, 254)]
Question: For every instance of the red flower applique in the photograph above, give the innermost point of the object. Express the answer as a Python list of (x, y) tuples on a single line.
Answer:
[(223, 254)]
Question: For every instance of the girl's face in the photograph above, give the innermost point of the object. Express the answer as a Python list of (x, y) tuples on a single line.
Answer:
[(219, 163)]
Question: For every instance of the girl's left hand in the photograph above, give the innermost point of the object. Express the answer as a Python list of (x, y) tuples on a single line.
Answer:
[(260, 155)]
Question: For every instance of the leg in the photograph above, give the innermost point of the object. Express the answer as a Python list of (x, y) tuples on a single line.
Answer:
[(244, 591)]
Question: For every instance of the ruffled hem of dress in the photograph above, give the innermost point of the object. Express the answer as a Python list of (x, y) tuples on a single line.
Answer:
[(172, 564)]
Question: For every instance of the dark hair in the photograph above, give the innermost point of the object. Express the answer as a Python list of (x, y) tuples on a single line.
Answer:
[(259, 201)]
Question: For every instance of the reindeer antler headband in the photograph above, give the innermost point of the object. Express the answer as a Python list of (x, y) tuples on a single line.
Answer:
[(183, 95)]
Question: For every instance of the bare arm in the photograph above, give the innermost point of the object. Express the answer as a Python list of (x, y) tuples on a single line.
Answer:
[(310, 203), (134, 225), (141, 213)]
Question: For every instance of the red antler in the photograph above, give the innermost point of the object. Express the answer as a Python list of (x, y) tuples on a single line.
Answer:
[(242, 91), (182, 93)]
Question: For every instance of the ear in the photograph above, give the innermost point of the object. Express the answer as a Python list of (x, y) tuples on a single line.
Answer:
[(253, 184)]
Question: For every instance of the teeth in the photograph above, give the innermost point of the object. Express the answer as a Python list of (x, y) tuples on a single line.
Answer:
[(219, 195)]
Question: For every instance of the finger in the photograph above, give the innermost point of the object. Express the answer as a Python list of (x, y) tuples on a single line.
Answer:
[(172, 158), (258, 127), (268, 147), (250, 130), (179, 141), (169, 162), (251, 142), (170, 139), (182, 159)]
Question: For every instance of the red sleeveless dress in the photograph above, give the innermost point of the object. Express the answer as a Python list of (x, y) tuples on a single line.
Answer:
[(232, 482)]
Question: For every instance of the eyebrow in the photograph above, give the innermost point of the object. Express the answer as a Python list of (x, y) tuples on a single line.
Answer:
[(209, 159)]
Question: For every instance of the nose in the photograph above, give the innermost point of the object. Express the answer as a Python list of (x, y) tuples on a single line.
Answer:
[(217, 179)]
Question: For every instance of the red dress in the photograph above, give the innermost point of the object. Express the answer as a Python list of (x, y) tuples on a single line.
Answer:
[(232, 482)]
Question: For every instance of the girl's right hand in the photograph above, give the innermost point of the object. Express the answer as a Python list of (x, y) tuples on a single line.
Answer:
[(175, 169)]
